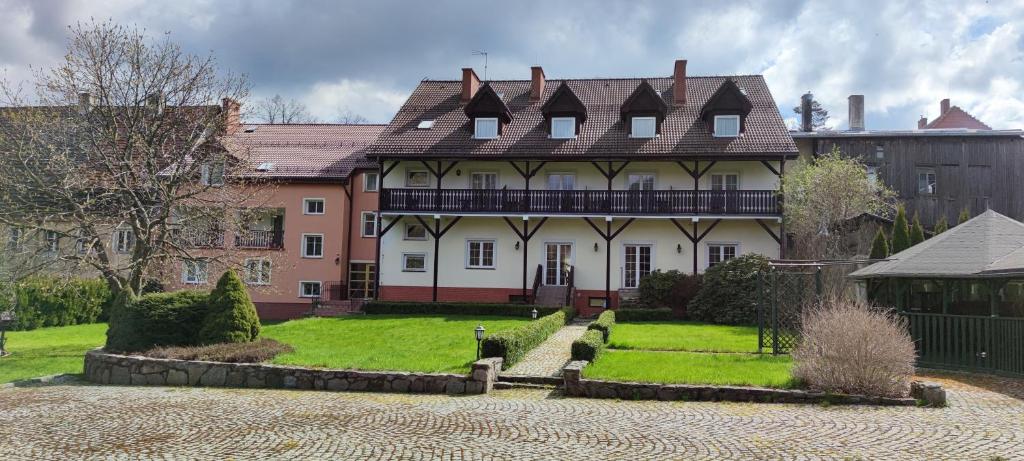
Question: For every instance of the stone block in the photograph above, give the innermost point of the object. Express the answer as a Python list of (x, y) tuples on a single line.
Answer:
[(417, 384), (215, 375), (119, 375), (435, 385), (289, 381), (337, 384), (400, 385), (195, 372), (177, 377), (156, 379), (932, 394), (474, 387), (455, 387), (358, 384)]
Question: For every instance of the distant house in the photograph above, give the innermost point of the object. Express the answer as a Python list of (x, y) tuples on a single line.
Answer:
[(953, 163)]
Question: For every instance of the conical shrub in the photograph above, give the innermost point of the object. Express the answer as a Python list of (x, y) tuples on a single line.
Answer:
[(900, 232), (232, 317), (917, 231), (880, 246)]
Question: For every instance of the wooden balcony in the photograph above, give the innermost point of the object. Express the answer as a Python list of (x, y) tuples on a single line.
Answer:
[(269, 239), (582, 202)]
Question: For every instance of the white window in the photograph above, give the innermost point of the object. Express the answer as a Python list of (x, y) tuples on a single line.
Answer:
[(563, 127), (721, 252), (52, 241), (257, 271), (485, 128), (725, 181), (727, 126), (194, 272), (640, 181), (480, 254), (415, 231), (926, 181), (637, 260), (872, 174), (369, 223), (483, 180), (312, 245), (414, 262), (425, 124), (212, 174), (371, 181), (417, 178), (561, 181), (313, 206), (124, 240), (643, 127), (309, 289)]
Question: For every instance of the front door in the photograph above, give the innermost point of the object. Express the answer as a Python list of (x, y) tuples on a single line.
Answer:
[(361, 280), (637, 264), (557, 263)]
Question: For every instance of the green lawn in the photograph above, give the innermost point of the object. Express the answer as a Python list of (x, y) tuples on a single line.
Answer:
[(385, 342), (683, 336), (49, 351), (692, 368)]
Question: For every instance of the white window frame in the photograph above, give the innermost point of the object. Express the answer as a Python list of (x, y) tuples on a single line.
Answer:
[(484, 173), (307, 201), (52, 244), (302, 288), (494, 253), (707, 251), (723, 117), (633, 131), (206, 174), (872, 173), (264, 278), (129, 241), (654, 177), (723, 175), (410, 172), (570, 120), (622, 269), (476, 127), (303, 247), (561, 179), (196, 277), (362, 223), (926, 170), (410, 225), (405, 258), (367, 182)]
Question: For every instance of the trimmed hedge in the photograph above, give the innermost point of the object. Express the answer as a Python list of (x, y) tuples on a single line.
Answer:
[(51, 302), (512, 345), (604, 323), (507, 310), (159, 319), (589, 346), (645, 315)]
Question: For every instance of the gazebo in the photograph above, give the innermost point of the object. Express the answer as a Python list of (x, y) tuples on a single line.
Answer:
[(975, 268)]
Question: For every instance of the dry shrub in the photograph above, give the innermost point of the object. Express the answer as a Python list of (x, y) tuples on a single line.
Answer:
[(257, 351), (850, 347)]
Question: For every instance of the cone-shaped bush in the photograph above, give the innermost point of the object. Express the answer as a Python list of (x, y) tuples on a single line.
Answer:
[(965, 214), (232, 317), (917, 231), (880, 246), (940, 226), (900, 232)]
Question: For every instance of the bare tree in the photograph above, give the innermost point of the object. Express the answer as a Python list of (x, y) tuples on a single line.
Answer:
[(119, 166), (348, 117), (277, 109)]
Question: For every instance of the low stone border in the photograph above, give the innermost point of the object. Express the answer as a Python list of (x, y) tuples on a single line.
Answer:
[(106, 368), (61, 378), (576, 386)]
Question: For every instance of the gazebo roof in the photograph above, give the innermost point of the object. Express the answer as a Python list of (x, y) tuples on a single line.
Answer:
[(988, 245)]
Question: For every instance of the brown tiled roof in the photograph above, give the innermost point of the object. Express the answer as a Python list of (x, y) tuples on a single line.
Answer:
[(956, 117), (304, 151), (602, 136)]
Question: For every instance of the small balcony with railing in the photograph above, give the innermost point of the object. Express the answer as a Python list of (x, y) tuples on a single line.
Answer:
[(582, 202), (264, 229), (199, 236)]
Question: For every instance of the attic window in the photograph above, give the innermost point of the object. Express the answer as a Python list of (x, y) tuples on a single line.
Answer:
[(563, 127), (727, 126), (265, 166), (250, 130), (643, 127), (486, 128), (425, 124)]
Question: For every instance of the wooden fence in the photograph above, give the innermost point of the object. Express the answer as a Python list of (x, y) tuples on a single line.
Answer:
[(968, 342)]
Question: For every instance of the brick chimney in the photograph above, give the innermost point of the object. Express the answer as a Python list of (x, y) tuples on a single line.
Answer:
[(679, 80), (922, 122), (943, 106), (805, 112), (536, 83), (856, 112), (232, 115), (470, 83)]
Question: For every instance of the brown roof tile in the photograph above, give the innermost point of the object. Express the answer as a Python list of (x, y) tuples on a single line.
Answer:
[(602, 136), (305, 151), (956, 117)]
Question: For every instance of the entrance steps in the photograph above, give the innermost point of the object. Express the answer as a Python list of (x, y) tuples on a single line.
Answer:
[(551, 295)]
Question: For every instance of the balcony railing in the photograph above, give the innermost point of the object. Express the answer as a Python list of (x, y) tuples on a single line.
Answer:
[(200, 238), (271, 239), (598, 202)]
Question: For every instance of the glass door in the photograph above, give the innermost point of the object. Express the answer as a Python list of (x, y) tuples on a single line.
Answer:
[(361, 280), (557, 263), (637, 264)]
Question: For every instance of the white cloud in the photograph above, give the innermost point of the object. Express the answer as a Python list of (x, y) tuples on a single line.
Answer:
[(327, 100)]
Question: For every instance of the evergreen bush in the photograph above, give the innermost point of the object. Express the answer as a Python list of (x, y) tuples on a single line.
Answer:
[(232, 317), (604, 323), (672, 289), (158, 319), (588, 347), (52, 302), (880, 246), (916, 231), (729, 292), (900, 232)]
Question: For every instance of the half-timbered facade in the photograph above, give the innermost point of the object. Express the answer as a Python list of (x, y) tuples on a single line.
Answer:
[(572, 190)]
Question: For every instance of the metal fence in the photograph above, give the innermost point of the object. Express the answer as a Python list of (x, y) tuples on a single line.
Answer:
[(783, 294)]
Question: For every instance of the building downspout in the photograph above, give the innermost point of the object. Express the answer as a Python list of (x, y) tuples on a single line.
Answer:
[(348, 232)]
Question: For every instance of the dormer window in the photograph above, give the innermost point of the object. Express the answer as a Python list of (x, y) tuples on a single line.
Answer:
[(727, 126), (563, 127), (486, 128), (643, 127)]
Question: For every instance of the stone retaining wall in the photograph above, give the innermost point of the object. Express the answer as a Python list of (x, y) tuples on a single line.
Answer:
[(576, 386), (106, 368)]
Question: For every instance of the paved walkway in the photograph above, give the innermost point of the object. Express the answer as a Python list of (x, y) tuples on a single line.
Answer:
[(549, 358), (984, 421)]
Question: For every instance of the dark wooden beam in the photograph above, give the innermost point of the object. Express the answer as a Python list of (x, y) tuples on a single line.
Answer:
[(430, 168), (385, 230), (705, 170), (537, 228), (525, 174), (770, 168), (705, 233), (621, 228), (682, 229), (536, 170), (384, 172), (446, 170), (686, 168), (769, 231), (514, 228), (599, 168), (596, 229)]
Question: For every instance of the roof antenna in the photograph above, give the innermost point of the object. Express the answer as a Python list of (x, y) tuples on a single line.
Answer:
[(484, 54)]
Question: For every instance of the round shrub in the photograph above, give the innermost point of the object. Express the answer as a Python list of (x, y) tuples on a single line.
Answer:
[(848, 347), (728, 294), (232, 317), (672, 289), (159, 319)]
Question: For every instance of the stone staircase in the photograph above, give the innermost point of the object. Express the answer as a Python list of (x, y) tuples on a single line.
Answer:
[(551, 295), (338, 308)]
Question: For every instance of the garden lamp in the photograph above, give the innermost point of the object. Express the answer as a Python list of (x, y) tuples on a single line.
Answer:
[(479, 337), (6, 319), (533, 313)]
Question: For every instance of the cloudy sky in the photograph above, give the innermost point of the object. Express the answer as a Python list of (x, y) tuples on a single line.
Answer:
[(365, 57)]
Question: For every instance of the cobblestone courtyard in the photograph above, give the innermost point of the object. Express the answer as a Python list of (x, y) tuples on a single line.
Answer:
[(82, 421)]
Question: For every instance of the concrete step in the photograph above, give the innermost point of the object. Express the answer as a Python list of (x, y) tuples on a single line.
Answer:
[(527, 379), (508, 385)]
